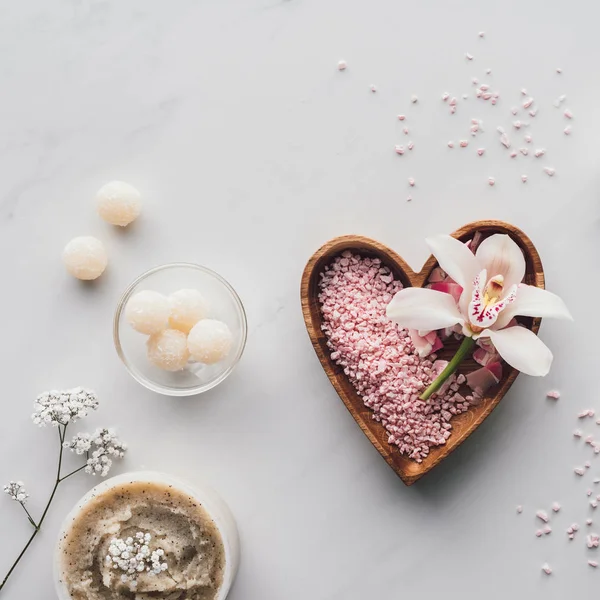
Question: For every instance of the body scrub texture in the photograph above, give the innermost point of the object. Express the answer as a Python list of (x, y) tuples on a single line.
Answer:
[(177, 524)]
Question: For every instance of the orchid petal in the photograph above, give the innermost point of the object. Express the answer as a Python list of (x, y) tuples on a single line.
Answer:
[(500, 254), (533, 302), (421, 308), (521, 349), (484, 315), (455, 258)]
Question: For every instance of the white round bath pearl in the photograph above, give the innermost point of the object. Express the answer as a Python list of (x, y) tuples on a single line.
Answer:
[(187, 308), (85, 257), (148, 312), (118, 203), (168, 350), (209, 341)]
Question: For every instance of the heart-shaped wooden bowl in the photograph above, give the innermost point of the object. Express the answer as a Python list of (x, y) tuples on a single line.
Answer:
[(462, 425)]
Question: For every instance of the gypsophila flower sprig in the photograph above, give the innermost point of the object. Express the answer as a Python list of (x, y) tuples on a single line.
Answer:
[(101, 448), (132, 556)]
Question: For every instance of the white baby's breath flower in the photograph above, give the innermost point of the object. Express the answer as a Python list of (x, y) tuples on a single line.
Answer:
[(132, 556), (16, 490), (106, 446), (62, 407)]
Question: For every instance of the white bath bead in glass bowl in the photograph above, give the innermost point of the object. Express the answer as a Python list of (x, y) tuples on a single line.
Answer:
[(148, 312), (196, 377), (118, 203), (187, 308), (85, 257), (168, 350), (209, 341)]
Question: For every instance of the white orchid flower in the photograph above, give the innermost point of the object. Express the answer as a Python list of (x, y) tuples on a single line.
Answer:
[(492, 295)]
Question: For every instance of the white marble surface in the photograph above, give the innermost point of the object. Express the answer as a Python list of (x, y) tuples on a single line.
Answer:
[(251, 149)]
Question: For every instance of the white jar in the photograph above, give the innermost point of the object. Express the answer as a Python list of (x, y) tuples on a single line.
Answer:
[(212, 503)]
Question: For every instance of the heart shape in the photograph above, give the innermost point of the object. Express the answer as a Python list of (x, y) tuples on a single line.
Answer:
[(464, 424)]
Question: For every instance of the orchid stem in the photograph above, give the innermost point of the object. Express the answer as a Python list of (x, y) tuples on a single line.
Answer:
[(464, 349)]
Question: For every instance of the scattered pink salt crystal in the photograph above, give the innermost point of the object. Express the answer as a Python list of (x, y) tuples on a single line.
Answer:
[(524, 178), (591, 412), (559, 101), (583, 414), (524, 151), (461, 379), (588, 493), (577, 433), (445, 96), (488, 71), (547, 569), (464, 143), (579, 471), (484, 87), (399, 149), (533, 112), (519, 509), (452, 110), (554, 394), (474, 81), (409, 198), (547, 530), (594, 503), (575, 527), (513, 154), (411, 182), (567, 130), (587, 464), (555, 506), (558, 70), (401, 117), (593, 540), (450, 144), (491, 181), (523, 91), (542, 515), (514, 110), (373, 88), (597, 480), (539, 533), (481, 34), (414, 99), (517, 124), (528, 103), (528, 139), (593, 563), (486, 96), (411, 145), (468, 56), (588, 522), (550, 171), (571, 536), (568, 114), (504, 140), (480, 151), (342, 65), (453, 101), (539, 152)]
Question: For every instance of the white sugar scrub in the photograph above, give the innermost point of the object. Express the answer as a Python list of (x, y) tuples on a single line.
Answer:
[(187, 308), (203, 310), (118, 203), (148, 312), (85, 258), (210, 341), (168, 350)]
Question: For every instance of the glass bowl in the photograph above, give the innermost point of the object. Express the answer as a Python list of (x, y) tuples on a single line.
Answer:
[(195, 378), (214, 505)]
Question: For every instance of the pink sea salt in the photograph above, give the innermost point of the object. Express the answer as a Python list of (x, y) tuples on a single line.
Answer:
[(554, 394), (379, 358)]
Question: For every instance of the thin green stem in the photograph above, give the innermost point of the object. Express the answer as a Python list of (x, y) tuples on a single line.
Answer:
[(464, 349), (61, 436), (28, 515), (73, 472)]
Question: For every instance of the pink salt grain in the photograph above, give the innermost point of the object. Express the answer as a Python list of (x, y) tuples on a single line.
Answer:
[(568, 114), (539, 152), (554, 394), (519, 509), (550, 171), (481, 151), (468, 56), (577, 433), (579, 471), (464, 143), (588, 522), (445, 96), (411, 182), (399, 149), (524, 178), (547, 569), (542, 515), (555, 506), (528, 139), (405, 130), (593, 563), (411, 145), (379, 358), (539, 533), (567, 130), (401, 117), (491, 181), (450, 144)]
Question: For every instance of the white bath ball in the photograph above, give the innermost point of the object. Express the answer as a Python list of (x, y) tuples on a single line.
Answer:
[(168, 350), (118, 203), (85, 257), (187, 308), (148, 312), (209, 341)]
